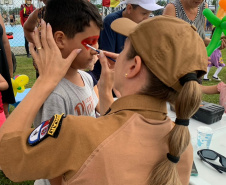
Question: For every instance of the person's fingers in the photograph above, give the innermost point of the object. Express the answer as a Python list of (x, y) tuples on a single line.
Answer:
[(103, 62), (111, 54), (43, 34), (32, 51), (106, 80), (37, 39), (50, 39)]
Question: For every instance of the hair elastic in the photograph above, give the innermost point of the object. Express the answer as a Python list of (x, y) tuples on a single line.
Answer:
[(184, 122), (172, 158), (188, 77)]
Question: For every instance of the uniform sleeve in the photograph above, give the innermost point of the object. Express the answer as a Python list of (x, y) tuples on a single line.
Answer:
[(52, 157), (21, 162)]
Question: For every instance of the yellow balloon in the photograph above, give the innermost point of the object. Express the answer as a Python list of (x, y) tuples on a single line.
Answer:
[(19, 83)]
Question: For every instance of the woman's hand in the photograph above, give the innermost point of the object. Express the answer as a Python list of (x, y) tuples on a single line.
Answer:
[(51, 66), (107, 71), (106, 81), (111, 55)]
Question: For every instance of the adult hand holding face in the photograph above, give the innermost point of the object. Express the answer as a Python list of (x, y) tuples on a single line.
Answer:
[(51, 66)]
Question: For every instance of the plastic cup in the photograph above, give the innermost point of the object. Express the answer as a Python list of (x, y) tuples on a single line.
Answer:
[(204, 137)]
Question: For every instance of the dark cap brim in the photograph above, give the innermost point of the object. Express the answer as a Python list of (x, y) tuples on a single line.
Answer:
[(123, 26)]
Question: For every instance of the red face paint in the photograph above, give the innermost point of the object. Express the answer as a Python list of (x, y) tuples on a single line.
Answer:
[(90, 40)]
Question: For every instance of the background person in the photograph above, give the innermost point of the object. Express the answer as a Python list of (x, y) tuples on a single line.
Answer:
[(26, 10), (209, 26), (12, 19), (34, 20), (215, 60), (191, 12), (6, 68), (135, 142), (111, 41)]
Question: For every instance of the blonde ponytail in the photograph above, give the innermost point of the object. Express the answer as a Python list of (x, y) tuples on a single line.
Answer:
[(186, 104)]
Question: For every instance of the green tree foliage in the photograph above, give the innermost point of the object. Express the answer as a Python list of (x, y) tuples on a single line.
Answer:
[(159, 12), (214, 2)]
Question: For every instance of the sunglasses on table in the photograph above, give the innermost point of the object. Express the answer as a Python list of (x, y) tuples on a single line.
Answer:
[(212, 155)]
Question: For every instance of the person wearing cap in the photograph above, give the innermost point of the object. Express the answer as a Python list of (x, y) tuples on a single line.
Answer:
[(137, 11), (135, 142), (191, 12)]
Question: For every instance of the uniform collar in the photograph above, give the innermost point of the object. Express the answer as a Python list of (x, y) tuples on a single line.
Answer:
[(139, 102)]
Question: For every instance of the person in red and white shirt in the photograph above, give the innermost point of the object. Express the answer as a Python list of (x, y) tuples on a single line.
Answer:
[(26, 10)]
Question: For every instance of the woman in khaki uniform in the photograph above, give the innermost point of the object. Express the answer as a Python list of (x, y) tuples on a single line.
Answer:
[(134, 142)]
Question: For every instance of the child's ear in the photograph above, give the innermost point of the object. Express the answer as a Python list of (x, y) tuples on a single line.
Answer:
[(59, 38), (129, 8)]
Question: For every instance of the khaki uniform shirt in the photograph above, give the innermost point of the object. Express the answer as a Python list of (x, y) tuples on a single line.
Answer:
[(119, 148)]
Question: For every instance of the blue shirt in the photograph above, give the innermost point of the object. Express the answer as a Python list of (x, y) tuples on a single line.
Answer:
[(109, 40)]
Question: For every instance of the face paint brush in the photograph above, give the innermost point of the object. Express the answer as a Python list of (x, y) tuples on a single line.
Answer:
[(99, 52)]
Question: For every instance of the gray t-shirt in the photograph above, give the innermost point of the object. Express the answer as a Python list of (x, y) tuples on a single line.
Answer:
[(69, 98)]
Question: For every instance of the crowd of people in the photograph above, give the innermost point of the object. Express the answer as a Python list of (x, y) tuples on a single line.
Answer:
[(70, 129)]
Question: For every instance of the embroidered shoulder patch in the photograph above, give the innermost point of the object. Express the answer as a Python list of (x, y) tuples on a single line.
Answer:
[(46, 128)]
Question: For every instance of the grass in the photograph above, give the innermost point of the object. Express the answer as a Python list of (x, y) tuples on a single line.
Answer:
[(25, 66)]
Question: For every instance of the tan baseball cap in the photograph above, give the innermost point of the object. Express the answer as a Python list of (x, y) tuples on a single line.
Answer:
[(170, 47)]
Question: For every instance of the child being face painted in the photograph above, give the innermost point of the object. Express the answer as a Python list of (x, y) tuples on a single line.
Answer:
[(74, 23), (85, 59), (75, 32)]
